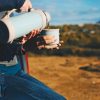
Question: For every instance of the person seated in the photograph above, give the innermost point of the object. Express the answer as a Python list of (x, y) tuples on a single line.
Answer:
[(15, 84)]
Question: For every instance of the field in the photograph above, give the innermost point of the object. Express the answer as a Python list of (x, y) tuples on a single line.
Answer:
[(76, 78)]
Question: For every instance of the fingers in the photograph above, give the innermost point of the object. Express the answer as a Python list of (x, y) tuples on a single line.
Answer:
[(35, 32), (29, 36), (61, 41), (49, 39), (42, 45), (48, 46), (45, 40), (55, 46), (26, 6), (32, 34)]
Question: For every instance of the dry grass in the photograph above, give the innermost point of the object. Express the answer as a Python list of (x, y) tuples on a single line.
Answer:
[(77, 78)]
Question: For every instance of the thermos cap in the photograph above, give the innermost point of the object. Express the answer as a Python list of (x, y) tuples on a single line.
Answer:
[(48, 16)]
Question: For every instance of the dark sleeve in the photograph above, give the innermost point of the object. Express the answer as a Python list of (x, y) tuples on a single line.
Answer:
[(10, 4), (8, 51)]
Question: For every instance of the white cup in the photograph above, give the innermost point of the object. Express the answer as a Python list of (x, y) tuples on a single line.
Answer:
[(53, 32)]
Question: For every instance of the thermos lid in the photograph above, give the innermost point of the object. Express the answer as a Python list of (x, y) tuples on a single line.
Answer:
[(48, 16)]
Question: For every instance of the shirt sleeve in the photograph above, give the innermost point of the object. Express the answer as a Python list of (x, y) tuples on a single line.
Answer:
[(10, 4)]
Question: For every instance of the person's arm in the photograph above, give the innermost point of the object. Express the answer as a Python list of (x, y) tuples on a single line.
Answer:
[(37, 42), (15, 4)]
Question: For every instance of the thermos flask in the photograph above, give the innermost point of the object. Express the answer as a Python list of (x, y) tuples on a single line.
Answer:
[(12, 27)]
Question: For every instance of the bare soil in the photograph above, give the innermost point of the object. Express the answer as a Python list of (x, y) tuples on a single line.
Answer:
[(76, 78)]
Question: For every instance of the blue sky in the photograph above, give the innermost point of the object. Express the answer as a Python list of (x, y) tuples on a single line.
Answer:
[(70, 11)]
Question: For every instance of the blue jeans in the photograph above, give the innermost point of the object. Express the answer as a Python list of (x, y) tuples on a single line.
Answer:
[(24, 87)]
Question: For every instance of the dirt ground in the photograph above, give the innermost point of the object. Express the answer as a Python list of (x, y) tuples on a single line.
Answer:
[(76, 78)]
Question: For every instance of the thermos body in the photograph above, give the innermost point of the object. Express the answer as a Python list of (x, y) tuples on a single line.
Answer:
[(24, 23)]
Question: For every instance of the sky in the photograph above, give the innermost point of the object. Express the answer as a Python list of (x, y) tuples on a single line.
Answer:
[(70, 11)]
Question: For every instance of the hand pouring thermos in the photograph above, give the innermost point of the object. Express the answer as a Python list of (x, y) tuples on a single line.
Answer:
[(22, 24)]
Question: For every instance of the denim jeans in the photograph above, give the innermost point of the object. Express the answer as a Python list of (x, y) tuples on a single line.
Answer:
[(24, 87)]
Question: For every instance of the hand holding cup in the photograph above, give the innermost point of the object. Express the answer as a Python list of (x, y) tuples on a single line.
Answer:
[(49, 39)]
